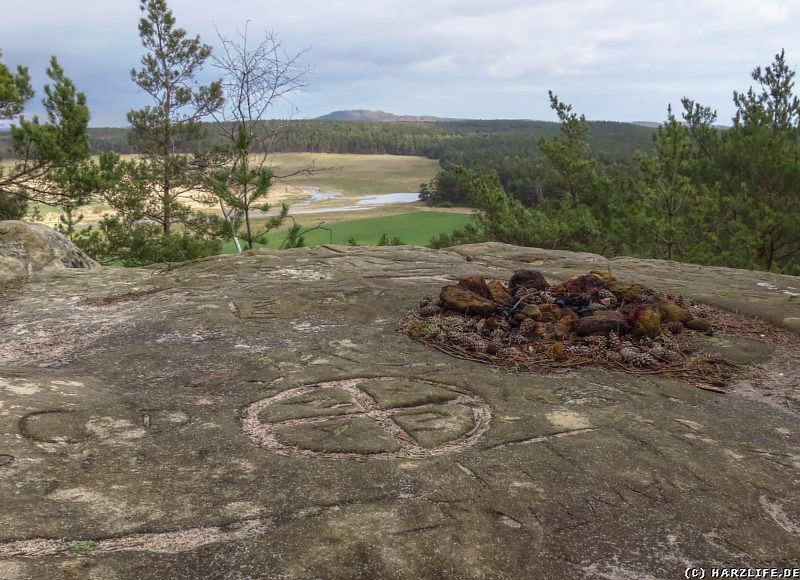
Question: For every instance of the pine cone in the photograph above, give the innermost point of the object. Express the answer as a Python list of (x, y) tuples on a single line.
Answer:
[(475, 343), (528, 327), (579, 350), (457, 338), (429, 311), (498, 335), (605, 293), (635, 357), (427, 300), (457, 326), (658, 351), (667, 342), (595, 340)]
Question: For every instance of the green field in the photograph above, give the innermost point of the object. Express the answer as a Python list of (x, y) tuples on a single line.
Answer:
[(416, 228)]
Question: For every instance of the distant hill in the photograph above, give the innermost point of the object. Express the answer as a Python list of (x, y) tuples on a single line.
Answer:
[(364, 115), (653, 125)]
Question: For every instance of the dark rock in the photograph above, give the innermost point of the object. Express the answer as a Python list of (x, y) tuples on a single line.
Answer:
[(611, 315), (460, 299), (527, 279), (476, 284), (572, 301), (597, 326), (504, 310)]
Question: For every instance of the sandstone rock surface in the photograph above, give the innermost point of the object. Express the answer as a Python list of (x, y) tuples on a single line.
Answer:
[(27, 248), (257, 416)]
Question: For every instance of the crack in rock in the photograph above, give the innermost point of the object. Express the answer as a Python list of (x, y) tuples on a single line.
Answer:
[(161, 542)]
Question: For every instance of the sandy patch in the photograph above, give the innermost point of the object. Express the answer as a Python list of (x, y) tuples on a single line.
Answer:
[(568, 420)]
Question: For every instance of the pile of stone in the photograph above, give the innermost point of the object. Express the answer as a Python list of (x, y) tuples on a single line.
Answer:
[(588, 319)]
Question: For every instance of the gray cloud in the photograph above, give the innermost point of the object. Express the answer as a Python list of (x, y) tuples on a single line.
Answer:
[(613, 59)]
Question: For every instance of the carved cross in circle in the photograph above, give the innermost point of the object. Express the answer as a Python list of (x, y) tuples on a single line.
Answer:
[(368, 418)]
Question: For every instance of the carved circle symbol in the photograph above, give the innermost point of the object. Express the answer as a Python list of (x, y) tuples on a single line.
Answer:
[(410, 428)]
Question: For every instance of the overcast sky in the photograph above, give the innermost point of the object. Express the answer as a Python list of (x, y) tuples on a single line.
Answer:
[(622, 60)]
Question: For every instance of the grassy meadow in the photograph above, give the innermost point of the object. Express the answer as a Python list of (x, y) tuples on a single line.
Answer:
[(415, 228)]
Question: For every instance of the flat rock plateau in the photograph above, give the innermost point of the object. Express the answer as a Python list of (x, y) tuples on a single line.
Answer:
[(259, 416)]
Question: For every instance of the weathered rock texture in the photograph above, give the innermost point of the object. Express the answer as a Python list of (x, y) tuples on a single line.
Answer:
[(257, 416), (26, 248)]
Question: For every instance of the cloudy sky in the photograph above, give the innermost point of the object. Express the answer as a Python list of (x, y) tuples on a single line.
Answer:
[(622, 60)]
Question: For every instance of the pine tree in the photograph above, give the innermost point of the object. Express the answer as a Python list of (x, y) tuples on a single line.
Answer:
[(161, 132), (573, 173), (15, 90), (750, 173), (51, 156), (242, 185), (764, 152), (669, 196)]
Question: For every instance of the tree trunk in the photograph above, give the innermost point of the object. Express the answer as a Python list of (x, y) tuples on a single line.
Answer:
[(228, 219), (249, 231), (167, 225), (771, 254)]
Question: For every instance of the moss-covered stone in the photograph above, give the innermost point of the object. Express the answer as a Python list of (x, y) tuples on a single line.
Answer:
[(647, 322), (626, 292), (671, 312), (460, 299)]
